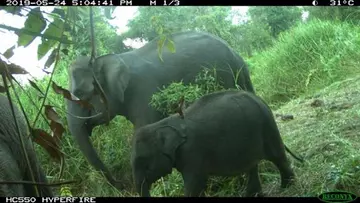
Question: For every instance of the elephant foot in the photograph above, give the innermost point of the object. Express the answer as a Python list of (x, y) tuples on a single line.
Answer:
[(287, 181), (254, 194)]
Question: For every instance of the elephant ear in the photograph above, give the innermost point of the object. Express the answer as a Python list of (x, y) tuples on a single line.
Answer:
[(81, 83), (117, 74), (169, 139)]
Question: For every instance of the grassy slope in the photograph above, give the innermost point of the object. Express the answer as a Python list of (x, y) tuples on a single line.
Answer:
[(328, 137), (305, 59)]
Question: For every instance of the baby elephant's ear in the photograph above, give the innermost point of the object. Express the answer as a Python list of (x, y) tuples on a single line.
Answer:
[(169, 140)]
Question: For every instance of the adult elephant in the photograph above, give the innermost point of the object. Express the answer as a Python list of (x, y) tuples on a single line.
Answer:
[(130, 79), (13, 163)]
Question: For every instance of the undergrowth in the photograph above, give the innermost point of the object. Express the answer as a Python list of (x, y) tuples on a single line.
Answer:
[(167, 99)]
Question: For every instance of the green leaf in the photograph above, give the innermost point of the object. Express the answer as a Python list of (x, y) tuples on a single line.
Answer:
[(10, 52), (54, 29), (73, 14), (51, 59), (35, 23), (67, 27), (171, 46), (83, 12), (44, 48), (65, 51), (108, 11), (59, 11), (153, 19), (15, 10), (160, 30), (161, 43)]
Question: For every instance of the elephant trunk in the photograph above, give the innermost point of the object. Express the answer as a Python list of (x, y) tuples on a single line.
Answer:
[(142, 185), (81, 130)]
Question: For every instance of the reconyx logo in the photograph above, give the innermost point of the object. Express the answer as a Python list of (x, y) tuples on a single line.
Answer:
[(339, 196)]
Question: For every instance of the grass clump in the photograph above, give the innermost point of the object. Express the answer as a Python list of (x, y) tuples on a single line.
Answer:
[(167, 99), (306, 58)]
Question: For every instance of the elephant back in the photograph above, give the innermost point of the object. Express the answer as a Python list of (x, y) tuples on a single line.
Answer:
[(8, 129)]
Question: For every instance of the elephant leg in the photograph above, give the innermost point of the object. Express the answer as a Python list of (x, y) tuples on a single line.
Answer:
[(286, 173), (40, 176), (195, 184), (9, 171), (38, 173), (253, 186)]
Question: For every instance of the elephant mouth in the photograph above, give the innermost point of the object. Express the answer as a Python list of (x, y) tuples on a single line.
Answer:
[(103, 118), (94, 118)]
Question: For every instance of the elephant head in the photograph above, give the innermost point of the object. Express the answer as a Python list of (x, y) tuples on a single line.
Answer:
[(153, 154), (109, 74)]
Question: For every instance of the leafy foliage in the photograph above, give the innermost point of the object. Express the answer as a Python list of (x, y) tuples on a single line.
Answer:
[(80, 33), (38, 24), (336, 13), (170, 19), (68, 25), (277, 18), (246, 37), (34, 23), (251, 38), (167, 99)]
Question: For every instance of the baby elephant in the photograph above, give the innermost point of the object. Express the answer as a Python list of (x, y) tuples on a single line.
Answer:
[(225, 133)]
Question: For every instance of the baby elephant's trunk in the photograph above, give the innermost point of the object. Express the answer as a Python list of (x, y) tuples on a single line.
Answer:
[(142, 186)]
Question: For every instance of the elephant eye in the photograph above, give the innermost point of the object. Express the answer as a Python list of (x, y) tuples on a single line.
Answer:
[(82, 94), (79, 93)]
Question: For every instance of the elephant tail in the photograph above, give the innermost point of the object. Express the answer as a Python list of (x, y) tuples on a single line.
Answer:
[(293, 155)]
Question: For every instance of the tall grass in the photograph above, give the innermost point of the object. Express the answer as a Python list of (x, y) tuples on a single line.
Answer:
[(306, 58)]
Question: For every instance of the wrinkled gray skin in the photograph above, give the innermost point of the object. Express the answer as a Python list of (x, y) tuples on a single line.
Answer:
[(13, 165), (130, 79), (225, 133)]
